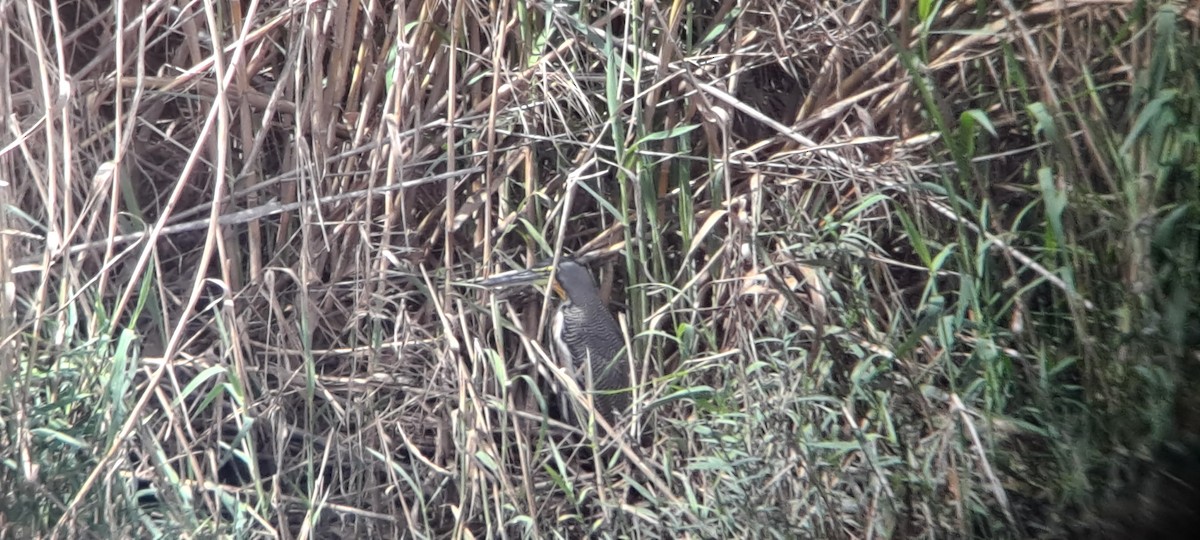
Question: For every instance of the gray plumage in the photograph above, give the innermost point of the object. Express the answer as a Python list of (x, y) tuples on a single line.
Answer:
[(590, 337)]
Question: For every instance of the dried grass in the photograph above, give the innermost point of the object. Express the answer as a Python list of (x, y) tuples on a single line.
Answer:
[(237, 237)]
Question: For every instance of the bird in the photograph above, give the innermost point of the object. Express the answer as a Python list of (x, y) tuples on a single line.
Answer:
[(589, 342)]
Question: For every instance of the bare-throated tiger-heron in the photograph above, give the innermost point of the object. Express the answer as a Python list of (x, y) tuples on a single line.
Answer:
[(586, 335)]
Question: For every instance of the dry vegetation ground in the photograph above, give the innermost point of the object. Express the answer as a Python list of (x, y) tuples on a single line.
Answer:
[(892, 269)]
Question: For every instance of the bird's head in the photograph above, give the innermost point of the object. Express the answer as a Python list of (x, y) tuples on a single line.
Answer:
[(569, 279)]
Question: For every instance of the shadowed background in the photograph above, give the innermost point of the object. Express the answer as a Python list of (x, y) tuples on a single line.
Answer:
[(901, 269)]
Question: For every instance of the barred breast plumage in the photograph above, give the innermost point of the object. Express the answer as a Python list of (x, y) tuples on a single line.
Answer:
[(591, 340)]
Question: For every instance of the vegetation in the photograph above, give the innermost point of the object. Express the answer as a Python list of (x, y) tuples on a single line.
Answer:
[(890, 269)]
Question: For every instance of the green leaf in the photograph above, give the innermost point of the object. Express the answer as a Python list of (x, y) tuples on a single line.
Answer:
[(676, 131)]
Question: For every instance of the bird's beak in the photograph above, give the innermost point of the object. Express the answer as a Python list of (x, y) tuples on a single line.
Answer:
[(536, 276), (539, 276)]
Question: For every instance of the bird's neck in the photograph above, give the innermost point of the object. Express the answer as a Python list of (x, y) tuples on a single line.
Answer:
[(583, 300)]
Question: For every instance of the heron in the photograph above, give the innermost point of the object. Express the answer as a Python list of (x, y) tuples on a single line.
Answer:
[(587, 337)]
